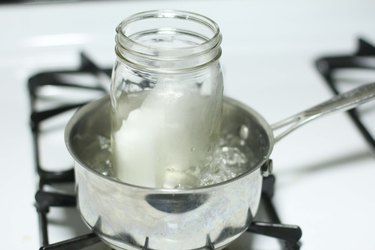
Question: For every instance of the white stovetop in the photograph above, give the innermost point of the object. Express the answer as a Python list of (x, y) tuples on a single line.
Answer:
[(325, 173)]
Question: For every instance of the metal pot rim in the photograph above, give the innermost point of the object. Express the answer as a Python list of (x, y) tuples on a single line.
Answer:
[(102, 101)]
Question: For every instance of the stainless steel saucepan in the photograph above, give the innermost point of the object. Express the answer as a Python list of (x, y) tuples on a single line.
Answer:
[(132, 217)]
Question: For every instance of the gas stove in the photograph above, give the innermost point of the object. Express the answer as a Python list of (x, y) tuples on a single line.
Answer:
[(323, 171), (55, 93), (47, 90)]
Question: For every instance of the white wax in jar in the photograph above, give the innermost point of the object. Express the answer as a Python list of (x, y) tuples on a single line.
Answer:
[(166, 135)]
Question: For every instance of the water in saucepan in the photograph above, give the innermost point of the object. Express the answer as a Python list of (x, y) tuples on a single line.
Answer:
[(231, 158)]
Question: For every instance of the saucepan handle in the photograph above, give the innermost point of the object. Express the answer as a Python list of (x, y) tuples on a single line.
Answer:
[(341, 102)]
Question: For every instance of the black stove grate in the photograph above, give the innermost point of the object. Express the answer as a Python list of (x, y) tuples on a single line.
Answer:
[(289, 235), (363, 58)]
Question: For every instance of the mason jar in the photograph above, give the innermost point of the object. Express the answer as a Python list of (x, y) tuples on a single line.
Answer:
[(166, 97)]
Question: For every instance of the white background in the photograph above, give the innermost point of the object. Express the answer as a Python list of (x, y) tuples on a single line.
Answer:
[(325, 171)]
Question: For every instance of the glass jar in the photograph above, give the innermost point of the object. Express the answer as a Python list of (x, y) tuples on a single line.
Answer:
[(166, 97)]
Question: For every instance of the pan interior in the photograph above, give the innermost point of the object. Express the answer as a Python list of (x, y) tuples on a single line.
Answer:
[(93, 121)]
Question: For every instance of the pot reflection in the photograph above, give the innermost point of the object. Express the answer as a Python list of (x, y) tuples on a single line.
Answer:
[(176, 203)]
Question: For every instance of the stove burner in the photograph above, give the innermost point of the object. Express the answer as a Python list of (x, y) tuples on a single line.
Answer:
[(55, 79), (289, 235), (363, 58)]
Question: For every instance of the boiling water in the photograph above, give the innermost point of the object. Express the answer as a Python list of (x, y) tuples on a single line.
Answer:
[(231, 158)]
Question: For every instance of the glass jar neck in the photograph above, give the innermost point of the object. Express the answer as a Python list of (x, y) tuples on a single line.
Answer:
[(168, 41)]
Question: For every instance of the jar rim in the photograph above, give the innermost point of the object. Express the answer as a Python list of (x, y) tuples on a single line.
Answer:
[(166, 53)]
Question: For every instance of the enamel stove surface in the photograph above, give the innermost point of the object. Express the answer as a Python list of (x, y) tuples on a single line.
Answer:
[(324, 171)]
